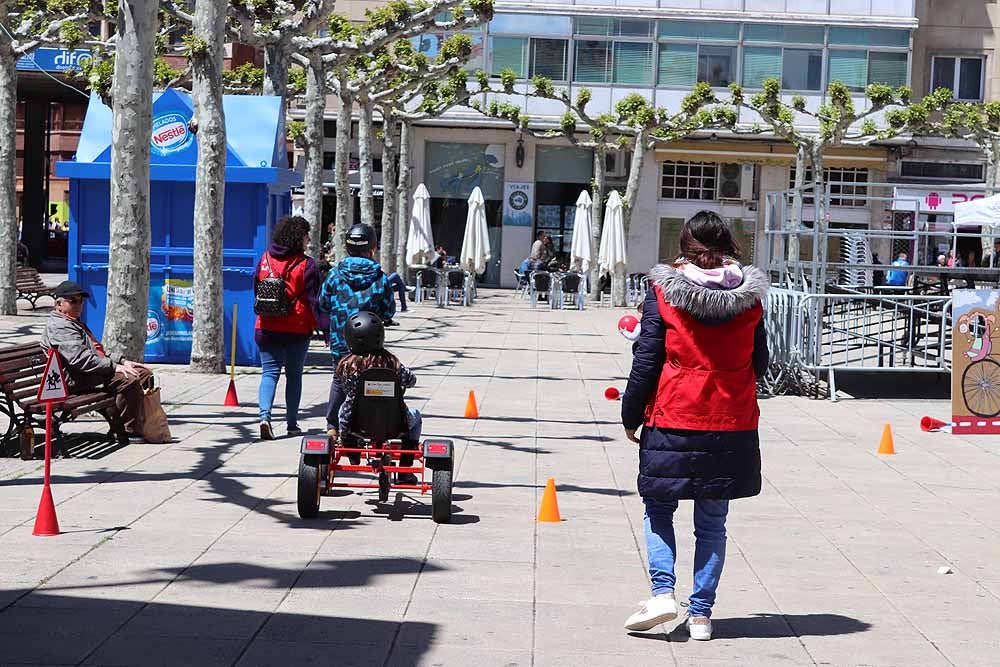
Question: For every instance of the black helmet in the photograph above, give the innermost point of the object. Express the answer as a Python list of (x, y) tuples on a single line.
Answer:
[(365, 333), (360, 239)]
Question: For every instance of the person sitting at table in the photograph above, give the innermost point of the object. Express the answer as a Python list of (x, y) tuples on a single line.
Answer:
[(441, 259), (540, 252), (88, 366), (897, 277)]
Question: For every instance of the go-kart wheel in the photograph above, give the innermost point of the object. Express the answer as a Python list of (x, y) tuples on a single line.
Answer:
[(441, 496), (312, 470), (383, 486)]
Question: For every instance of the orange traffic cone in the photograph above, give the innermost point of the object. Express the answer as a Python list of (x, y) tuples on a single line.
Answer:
[(471, 411), (46, 523), (886, 446), (549, 511)]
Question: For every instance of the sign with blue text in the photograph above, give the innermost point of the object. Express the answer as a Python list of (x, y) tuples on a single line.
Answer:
[(518, 204), (53, 60)]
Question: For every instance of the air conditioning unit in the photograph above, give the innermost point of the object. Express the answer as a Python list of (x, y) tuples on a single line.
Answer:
[(735, 182), (616, 164)]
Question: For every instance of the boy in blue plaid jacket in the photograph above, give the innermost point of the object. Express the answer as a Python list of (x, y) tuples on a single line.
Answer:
[(356, 284)]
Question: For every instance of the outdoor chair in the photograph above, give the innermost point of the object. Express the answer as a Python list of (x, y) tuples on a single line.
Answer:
[(540, 282), (571, 286), (636, 287), (458, 287), (522, 283), (427, 285)]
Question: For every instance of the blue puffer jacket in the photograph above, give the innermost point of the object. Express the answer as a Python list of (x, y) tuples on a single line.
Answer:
[(356, 284), (678, 464)]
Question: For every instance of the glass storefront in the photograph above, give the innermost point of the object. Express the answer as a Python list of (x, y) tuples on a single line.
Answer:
[(451, 172), (561, 173)]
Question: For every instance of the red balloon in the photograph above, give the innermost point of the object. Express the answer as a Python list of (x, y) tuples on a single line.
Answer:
[(628, 326), (612, 394)]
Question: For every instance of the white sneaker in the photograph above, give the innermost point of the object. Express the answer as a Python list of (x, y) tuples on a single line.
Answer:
[(652, 612), (699, 627)]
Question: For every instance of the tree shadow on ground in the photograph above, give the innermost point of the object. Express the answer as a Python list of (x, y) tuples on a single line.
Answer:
[(562, 488), (54, 629), (770, 626), (319, 574), (527, 420)]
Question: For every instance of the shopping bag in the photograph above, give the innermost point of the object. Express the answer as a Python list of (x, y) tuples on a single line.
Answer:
[(155, 428)]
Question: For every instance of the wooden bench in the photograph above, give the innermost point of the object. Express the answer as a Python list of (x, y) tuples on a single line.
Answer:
[(21, 368), (30, 286)]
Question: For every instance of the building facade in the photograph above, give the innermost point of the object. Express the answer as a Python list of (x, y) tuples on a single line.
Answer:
[(660, 49)]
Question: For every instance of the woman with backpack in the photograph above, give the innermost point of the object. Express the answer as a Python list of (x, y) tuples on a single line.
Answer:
[(693, 390), (286, 295)]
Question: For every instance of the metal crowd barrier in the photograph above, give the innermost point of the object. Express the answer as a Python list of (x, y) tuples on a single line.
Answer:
[(815, 335)]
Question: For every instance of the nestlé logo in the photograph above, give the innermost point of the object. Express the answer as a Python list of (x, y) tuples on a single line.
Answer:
[(170, 134)]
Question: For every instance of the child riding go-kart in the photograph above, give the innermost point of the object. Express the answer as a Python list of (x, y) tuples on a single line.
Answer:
[(378, 435)]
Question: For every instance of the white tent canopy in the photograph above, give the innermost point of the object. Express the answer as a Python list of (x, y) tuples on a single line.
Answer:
[(420, 240), (978, 212), (579, 254), (476, 243), (612, 257)]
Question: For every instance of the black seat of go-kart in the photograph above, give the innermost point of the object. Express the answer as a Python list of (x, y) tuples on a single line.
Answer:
[(378, 406)]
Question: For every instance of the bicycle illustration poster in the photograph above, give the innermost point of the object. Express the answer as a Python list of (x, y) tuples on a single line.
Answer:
[(975, 368)]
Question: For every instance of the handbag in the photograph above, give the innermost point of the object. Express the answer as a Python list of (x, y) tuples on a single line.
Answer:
[(155, 428)]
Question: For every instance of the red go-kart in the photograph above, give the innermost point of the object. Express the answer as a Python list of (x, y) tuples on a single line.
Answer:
[(374, 446)]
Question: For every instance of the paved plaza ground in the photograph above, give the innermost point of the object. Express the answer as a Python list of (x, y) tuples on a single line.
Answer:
[(192, 553)]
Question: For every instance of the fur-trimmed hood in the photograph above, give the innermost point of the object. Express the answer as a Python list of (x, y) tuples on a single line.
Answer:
[(713, 305)]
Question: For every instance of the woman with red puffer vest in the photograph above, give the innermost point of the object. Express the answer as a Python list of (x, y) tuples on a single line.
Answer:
[(693, 390), (284, 341)]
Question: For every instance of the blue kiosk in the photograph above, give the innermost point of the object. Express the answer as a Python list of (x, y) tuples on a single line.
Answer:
[(258, 187)]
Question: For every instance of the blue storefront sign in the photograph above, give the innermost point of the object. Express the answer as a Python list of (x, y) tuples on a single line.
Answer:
[(53, 60)]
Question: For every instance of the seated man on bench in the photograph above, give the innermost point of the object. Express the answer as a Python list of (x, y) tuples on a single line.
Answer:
[(86, 364)]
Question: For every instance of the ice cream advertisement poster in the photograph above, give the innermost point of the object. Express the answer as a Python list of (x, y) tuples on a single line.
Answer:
[(975, 368), (169, 319)]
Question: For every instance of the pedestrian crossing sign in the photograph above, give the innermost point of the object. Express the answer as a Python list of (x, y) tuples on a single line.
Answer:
[(53, 384)]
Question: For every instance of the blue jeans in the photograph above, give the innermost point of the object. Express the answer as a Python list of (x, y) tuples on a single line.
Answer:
[(291, 356), (397, 285), (709, 549), (337, 398)]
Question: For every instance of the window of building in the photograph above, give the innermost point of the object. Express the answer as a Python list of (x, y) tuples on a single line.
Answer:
[(548, 58), (614, 62), (962, 76), (699, 30), (784, 34), (529, 58), (608, 27), (329, 160), (430, 45), (717, 65), (509, 53), (683, 64), (626, 59), (869, 37), (844, 184), (539, 25), (593, 62), (951, 171), (796, 69), (688, 180), (858, 69)]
